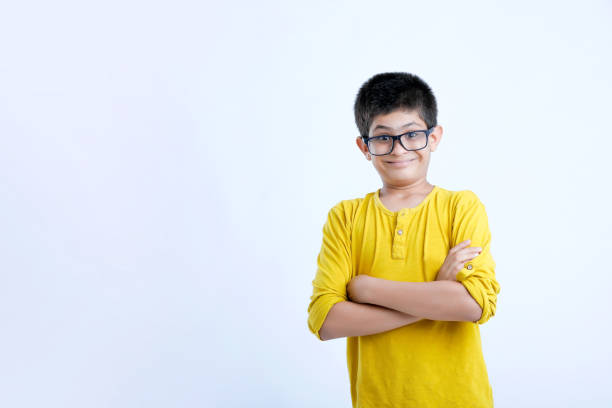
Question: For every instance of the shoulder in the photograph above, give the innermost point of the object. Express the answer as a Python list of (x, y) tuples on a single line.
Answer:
[(458, 200), (347, 210), (348, 207), (466, 203), (455, 197), (465, 197)]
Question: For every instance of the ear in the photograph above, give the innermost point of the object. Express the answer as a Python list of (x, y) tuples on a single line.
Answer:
[(362, 146), (435, 137)]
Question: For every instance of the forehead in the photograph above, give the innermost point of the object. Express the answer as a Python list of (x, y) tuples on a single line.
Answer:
[(397, 120)]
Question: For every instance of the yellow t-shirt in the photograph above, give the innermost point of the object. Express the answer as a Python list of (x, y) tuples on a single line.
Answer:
[(430, 363)]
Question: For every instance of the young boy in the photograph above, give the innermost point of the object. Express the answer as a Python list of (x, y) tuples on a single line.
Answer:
[(396, 274)]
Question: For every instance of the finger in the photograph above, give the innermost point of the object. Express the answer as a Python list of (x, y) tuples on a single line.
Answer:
[(459, 253), (466, 261), (471, 250), (460, 246), (468, 256)]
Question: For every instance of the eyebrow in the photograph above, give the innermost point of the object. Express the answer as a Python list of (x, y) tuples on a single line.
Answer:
[(387, 127)]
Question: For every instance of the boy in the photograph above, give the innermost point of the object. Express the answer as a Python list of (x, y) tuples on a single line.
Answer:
[(396, 275)]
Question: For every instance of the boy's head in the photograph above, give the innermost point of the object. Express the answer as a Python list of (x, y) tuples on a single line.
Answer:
[(393, 104)]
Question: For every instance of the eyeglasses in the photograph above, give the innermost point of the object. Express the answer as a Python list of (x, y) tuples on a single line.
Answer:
[(384, 144)]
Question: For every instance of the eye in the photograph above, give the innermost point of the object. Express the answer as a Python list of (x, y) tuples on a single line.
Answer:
[(383, 138)]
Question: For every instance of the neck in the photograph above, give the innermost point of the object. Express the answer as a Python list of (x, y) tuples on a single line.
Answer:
[(406, 189)]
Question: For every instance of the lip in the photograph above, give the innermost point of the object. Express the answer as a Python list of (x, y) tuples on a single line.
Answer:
[(400, 163)]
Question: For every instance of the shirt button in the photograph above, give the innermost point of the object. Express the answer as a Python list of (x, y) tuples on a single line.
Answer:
[(469, 267), (400, 232)]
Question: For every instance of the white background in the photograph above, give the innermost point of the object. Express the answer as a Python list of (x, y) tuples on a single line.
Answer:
[(166, 169)]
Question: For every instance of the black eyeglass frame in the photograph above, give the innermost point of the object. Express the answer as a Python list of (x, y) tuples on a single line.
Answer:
[(366, 140)]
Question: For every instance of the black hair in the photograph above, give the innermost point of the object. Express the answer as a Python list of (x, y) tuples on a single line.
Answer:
[(388, 91)]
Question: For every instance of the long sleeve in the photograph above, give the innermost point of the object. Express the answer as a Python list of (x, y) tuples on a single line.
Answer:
[(334, 268), (478, 275), (395, 367)]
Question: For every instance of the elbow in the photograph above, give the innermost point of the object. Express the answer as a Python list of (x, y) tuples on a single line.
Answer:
[(483, 300), (320, 334), (473, 312), (476, 314), (487, 311), (319, 316), (323, 335), (326, 332), (480, 313)]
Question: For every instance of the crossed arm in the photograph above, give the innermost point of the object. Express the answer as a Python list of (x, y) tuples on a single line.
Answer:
[(378, 305), (345, 305), (437, 300)]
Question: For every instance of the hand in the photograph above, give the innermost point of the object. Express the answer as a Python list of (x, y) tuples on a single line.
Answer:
[(358, 289), (456, 258)]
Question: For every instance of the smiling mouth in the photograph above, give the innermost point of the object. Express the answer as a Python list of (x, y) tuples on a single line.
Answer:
[(401, 161)]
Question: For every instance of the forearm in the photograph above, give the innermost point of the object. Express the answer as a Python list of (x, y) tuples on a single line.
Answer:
[(348, 319), (436, 300)]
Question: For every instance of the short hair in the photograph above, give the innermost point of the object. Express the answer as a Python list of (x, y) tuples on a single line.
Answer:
[(385, 92)]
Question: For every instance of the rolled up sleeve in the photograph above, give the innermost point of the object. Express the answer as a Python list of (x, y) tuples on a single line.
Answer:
[(334, 269), (478, 275)]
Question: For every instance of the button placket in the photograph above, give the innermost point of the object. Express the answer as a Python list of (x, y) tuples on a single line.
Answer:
[(399, 237)]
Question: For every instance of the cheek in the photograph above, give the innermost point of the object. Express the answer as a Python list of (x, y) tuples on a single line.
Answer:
[(378, 165), (423, 157)]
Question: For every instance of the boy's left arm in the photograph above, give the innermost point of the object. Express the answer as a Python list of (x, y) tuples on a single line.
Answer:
[(478, 275), (438, 300), (472, 297)]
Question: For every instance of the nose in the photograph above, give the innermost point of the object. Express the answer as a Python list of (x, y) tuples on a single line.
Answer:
[(398, 149)]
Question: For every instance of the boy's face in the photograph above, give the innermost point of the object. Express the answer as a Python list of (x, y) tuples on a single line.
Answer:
[(401, 167)]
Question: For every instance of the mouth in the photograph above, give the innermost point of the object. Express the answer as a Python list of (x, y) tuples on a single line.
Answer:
[(400, 163)]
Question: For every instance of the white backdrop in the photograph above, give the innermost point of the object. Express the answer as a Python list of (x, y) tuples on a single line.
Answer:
[(166, 169)]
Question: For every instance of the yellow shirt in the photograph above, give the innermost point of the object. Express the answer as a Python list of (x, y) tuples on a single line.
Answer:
[(430, 363)]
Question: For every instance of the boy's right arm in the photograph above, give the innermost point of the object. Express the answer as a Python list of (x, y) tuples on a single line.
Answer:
[(330, 313), (348, 319)]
